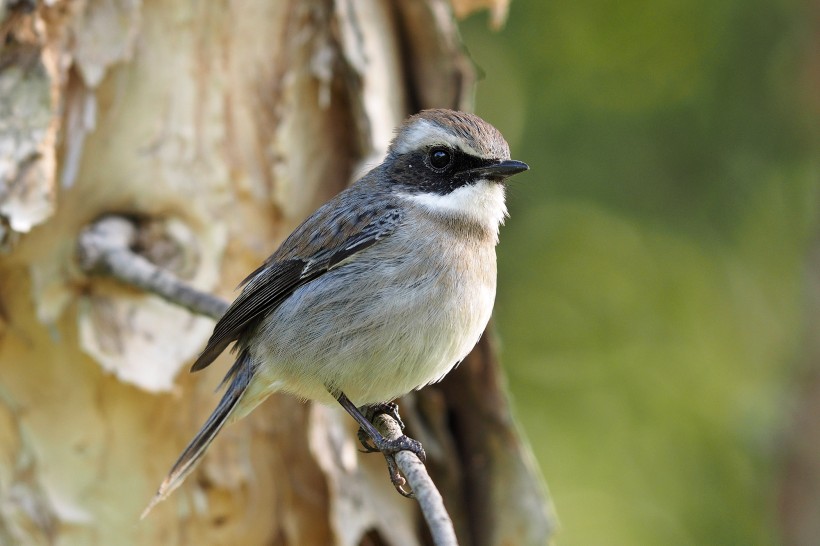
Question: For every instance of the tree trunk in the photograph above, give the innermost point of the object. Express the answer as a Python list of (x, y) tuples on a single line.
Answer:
[(217, 128), (799, 484)]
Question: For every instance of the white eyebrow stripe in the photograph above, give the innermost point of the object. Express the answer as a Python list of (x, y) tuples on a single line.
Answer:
[(423, 133)]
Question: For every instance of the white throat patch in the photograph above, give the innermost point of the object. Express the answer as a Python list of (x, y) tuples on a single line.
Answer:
[(481, 202)]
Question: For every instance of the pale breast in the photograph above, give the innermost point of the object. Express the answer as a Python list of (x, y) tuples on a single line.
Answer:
[(394, 319)]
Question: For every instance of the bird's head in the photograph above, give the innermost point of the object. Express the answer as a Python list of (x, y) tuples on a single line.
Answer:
[(453, 164)]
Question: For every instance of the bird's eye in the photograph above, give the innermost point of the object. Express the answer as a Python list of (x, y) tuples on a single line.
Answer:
[(440, 158)]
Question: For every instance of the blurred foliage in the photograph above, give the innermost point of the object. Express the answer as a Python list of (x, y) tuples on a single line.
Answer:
[(650, 303)]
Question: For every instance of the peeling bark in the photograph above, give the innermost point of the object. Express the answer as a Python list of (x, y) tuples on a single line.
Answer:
[(26, 141)]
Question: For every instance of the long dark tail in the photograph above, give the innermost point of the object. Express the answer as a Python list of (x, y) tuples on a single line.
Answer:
[(241, 373)]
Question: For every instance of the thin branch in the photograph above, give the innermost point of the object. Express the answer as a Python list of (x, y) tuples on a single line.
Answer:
[(106, 248), (424, 490)]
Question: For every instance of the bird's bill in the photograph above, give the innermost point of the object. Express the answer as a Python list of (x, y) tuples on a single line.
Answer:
[(502, 169)]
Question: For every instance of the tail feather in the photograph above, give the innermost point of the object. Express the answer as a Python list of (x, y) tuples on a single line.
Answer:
[(187, 461)]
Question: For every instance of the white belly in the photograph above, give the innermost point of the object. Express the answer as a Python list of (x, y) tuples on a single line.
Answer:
[(393, 320)]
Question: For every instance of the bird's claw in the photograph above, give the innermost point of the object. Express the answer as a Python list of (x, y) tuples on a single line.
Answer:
[(364, 439), (391, 409), (372, 440), (389, 448)]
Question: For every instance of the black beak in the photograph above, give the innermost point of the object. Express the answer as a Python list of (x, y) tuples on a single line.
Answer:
[(502, 169)]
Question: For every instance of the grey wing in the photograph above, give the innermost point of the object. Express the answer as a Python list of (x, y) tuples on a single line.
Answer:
[(267, 287)]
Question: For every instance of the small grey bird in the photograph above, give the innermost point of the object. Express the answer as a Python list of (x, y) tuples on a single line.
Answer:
[(381, 291)]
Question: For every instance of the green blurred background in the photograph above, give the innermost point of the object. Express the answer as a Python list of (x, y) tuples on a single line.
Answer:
[(653, 273)]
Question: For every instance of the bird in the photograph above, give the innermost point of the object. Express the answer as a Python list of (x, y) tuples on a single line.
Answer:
[(381, 291)]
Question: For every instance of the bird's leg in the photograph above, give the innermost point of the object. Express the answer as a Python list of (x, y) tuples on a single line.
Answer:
[(391, 409), (388, 448)]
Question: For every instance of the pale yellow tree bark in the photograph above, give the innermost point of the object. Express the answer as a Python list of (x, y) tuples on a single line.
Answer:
[(217, 127)]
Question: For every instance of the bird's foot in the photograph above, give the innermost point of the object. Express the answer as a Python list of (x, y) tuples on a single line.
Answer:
[(389, 448), (372, 440), (391, 409)]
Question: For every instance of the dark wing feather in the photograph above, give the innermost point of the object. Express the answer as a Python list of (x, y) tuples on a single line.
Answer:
[(295, 265), (268, 288)]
